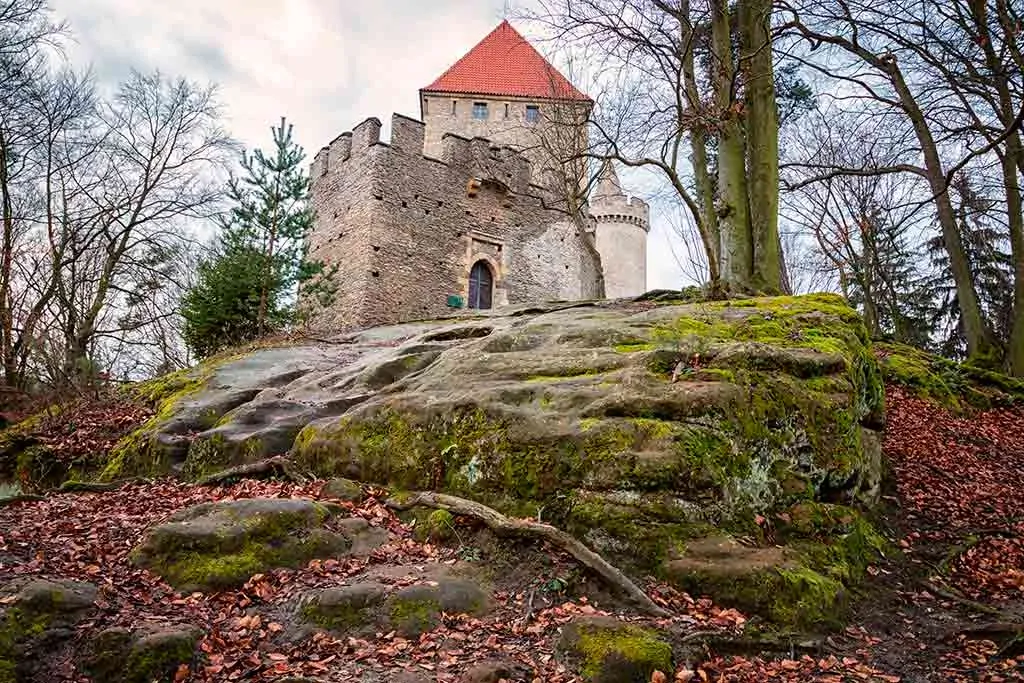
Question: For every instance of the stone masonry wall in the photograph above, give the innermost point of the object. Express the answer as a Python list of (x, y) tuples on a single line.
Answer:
[(405, 229), (511, 129)]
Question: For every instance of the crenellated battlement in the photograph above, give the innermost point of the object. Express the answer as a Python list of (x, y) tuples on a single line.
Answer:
[(477, 158), (622, 209)]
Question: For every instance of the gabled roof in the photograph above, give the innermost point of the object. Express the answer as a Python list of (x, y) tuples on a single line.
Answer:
[(504, 63)]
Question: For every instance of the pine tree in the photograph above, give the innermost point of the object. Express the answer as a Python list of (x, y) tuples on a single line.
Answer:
[(250, 286), (272, 215), (991, 266), (222, 309)]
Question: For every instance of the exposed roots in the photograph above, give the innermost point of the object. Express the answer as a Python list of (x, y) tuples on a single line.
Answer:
[(277, 466), (505, 526)]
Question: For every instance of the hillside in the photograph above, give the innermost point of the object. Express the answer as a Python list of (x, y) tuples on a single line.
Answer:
[(828, 564)]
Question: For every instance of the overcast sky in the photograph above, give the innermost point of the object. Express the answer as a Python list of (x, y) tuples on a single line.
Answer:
[(325, 64)]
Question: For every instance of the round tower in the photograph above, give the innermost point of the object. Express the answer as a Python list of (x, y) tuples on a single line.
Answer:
[(622, 224)]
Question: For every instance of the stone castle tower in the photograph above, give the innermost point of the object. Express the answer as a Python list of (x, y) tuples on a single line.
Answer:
[(461, 209)]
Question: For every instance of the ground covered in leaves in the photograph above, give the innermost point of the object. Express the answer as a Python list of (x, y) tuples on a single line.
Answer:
[(947, 607)]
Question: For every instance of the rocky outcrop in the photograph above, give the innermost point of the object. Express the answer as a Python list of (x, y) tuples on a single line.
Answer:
[(606, 650), (149, 652), (38, 616), (364, 607), (221, 545), (641, 426)]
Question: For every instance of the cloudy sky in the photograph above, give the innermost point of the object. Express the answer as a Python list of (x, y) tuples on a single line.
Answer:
[(325, 64)]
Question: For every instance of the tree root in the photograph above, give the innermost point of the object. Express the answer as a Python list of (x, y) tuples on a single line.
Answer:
[(953, 596), (72, 486), (20, 498), (505, 526), (276, 466), (725, 644)]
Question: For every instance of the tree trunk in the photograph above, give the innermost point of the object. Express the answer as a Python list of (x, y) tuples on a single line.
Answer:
[(1015, 216), (736, 249), (976, 329), (762, 140), (709, 231), (10, 367)]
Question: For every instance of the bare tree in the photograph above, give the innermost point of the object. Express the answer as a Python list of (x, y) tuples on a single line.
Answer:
[(661, 108), (950, 73), (865, 227)]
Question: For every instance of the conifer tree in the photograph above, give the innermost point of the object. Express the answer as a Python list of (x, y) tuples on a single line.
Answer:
[(250, 286)]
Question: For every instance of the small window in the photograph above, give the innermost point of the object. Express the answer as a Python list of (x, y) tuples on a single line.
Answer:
[(479, 110), (426, 106), (454, 103), (532, 113), (480, 285), (506, 110)]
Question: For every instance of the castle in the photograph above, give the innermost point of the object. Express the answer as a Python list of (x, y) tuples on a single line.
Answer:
[(469, 207)]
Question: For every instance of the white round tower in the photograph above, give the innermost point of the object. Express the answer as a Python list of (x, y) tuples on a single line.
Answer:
[(622, 224)]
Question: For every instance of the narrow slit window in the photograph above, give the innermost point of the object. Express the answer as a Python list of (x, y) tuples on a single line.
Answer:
[(480, 110), (506, 110), (454, 106)]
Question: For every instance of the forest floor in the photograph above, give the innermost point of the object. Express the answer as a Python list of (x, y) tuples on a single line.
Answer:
[(948, 606)]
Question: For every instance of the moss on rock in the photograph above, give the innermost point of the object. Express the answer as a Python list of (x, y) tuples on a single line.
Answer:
[(610, 651), (214, 546), (956, 386)]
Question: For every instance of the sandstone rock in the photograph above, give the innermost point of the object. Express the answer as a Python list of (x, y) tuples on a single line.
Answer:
[(606, 650), (638, 426), (416, 609), (343, 489), (37, 613), (153, 652), (344, 609), (497, 672), (364, 537), (220, 545)]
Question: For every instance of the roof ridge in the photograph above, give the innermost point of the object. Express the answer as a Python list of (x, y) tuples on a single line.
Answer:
[(504, 62)]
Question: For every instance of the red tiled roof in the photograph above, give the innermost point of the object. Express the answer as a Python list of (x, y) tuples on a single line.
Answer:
[(504, 63)]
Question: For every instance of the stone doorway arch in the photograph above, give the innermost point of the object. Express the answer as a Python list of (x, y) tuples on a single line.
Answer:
[(481, 285)]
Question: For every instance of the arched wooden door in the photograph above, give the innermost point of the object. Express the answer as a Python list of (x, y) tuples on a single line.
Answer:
[(481, 285)]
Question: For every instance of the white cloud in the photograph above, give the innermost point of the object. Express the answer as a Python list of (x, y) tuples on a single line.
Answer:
[(325, 64)]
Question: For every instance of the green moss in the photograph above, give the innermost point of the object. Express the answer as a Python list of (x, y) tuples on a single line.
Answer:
[(280, 540), (18, 628), (140, 453), (440, 525), (643, 650), (953, 385), (223, 571), (569, 373), (634, 347), (414, 616), (339, 618), (158, 659)]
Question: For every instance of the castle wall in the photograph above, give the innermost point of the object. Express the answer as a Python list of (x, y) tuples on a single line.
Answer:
[(511, 129), (621, 236), (405, 229), (623, 248)]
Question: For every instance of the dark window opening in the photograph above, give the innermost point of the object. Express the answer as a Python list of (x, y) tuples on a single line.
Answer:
[(426, 106), (506, 110), (479, 110), (532, 113), (454, 103), (481, 284)]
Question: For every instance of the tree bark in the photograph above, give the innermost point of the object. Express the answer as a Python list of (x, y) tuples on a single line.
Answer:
[(736, 249), (762, 143), (708, 225), (976, 329)]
